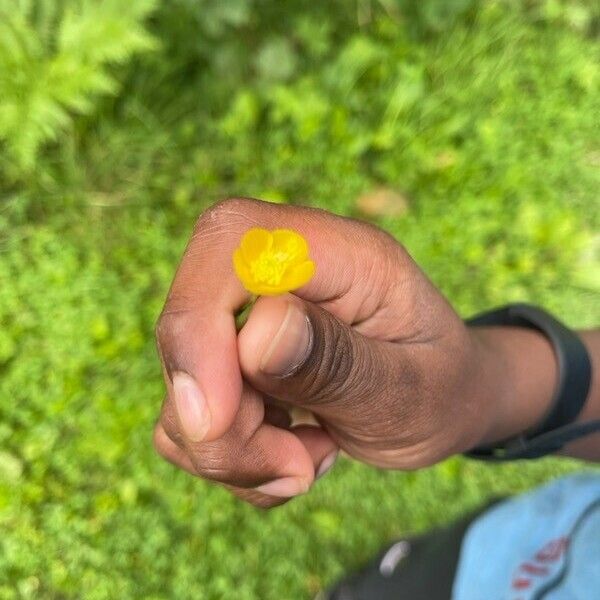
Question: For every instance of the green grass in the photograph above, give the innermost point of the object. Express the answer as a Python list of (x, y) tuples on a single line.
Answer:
[(483, 114)]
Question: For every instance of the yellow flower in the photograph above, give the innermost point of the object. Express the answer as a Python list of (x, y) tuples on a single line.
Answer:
[(272, 262)]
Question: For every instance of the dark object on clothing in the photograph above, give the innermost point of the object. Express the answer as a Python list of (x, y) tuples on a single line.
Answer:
[(574, 377), (420, 568)]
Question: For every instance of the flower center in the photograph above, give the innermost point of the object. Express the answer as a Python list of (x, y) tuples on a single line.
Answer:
[(269, 268)]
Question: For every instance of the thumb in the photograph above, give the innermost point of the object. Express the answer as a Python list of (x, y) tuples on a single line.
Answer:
[(297, 352)]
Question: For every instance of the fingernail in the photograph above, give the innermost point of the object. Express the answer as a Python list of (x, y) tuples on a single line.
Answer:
[(327, 463), (191, 406), (286, 487), (291, 345)]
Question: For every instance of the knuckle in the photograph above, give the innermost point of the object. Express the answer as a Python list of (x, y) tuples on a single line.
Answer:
[(161, 328), (213, 460), (170, 329), (223, 212), (166, 324), (228, 205), (214, 472), (218, 465), (228, 462), (379, 238)]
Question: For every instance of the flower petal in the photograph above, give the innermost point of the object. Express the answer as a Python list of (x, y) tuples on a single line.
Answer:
[(241, 269), (254, 242), (291, 244), (260, 289), (298, 275)]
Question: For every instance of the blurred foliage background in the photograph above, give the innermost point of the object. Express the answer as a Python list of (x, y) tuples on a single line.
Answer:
[(469, 129)]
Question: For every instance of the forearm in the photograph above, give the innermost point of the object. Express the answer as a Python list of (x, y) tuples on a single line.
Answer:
[(518, 376)]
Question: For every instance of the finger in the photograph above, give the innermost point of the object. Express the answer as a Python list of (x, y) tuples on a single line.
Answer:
[(322, 450), (319, 446), (252, 454), (171, 452), (301, 354)]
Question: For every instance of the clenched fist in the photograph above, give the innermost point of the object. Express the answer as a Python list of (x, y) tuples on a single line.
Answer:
[(368, 346)]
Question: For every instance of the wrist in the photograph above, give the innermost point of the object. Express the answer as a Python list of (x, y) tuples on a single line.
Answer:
[(516, 376)]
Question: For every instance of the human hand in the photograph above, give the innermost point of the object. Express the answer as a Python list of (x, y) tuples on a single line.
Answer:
[(369, 346)]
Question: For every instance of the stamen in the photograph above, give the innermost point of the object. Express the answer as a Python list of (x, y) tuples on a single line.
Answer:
[(269, 268)]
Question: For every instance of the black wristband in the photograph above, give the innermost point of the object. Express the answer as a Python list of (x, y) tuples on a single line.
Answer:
[(574, 378)]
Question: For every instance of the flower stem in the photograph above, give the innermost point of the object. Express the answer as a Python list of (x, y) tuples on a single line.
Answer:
[(242, 315)]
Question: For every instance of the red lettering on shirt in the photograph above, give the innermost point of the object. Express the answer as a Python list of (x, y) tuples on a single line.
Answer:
[(538, 568), (533, 569), (520, 583)]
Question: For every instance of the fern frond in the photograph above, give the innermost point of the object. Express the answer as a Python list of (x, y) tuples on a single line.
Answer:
[(55, 59)]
